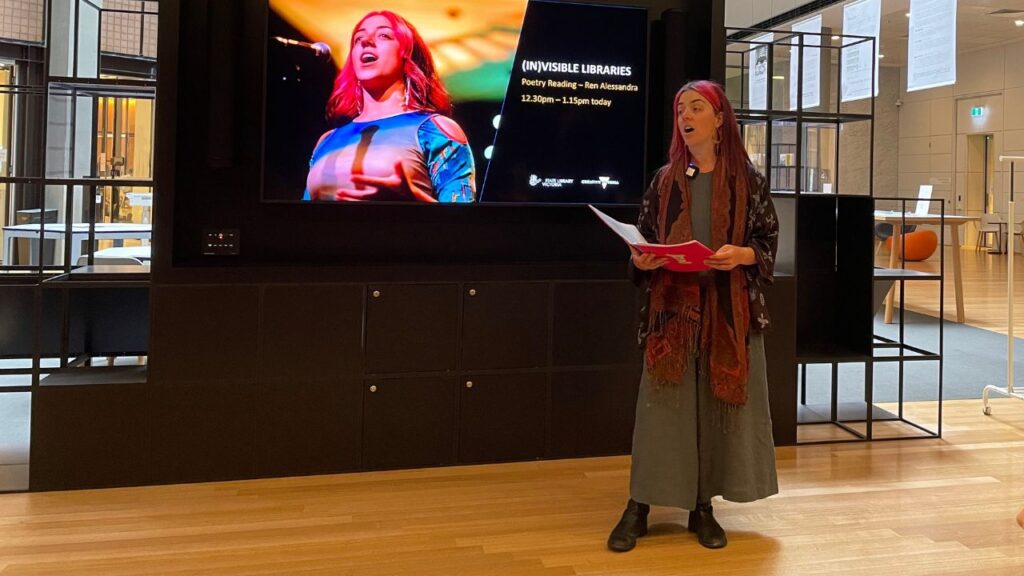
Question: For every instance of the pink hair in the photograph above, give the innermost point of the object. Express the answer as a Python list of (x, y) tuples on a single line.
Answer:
[(426, 92), (732, 156)]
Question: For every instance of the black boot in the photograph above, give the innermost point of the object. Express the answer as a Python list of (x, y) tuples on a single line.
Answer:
[(632, 526), (709, 532)]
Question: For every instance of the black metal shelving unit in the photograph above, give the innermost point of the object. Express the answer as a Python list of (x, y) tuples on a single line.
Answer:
[(825, 237)]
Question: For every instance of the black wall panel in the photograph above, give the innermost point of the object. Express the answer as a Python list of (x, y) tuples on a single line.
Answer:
[(505, 325), (91, 437), (595, 323), (780, 358), (204, 334), (308, 427), (502, 417), (409, 422), (310, 332), (202, 432), (411, 327), (592, 412)]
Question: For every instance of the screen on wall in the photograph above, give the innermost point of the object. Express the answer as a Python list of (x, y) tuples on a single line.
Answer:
[(456, 102)]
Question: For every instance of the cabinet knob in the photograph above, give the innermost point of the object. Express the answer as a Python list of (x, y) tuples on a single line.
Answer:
[(469, 383), (472, 291), (373, 388), (376, 293)]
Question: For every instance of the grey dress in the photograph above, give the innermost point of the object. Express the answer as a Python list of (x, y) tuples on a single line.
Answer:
[(682, 452)]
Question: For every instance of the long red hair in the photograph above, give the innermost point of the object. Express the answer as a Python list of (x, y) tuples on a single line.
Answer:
[(426, 92), (732, 155)]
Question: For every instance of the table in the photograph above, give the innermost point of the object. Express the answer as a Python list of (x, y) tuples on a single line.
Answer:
[(954, 222), (79, 233)]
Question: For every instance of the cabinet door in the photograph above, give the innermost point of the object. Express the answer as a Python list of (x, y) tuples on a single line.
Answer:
[(504, 325), (309, 426), (408, 422), (595, 323), (502, 417), (592, 412), (411, 328), (310, 332)]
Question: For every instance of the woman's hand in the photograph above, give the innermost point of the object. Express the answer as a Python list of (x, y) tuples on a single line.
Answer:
[(647, 262), (397, 186), (729, 257)]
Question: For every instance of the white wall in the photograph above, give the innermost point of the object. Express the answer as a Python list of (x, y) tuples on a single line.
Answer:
[(934, 125), (746, 13)]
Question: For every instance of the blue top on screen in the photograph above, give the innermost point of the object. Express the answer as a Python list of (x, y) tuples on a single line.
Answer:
[(417, 154)]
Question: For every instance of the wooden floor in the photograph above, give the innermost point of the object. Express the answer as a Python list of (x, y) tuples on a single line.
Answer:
[(908, 508), (984, 277)]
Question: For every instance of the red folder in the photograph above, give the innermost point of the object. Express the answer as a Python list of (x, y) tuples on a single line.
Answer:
[(686, 257)]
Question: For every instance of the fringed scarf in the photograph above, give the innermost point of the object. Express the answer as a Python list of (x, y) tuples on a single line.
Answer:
[(677, 315)]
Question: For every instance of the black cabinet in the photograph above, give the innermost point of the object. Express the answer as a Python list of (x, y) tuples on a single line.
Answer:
[(505, 325), (502, 417), (204, 334), (326, 438), (408, 422), (594, 323), (592, 411), (411, 328), (310, 332)]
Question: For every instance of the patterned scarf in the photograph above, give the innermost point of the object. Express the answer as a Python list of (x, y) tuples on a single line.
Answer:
[(677, 315)]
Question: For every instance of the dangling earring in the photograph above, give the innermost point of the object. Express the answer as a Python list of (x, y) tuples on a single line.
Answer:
[(359, 103), (718, 140), (407, 92)]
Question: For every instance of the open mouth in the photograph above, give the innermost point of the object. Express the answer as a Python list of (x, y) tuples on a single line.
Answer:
[(368, 58), (688, 129)]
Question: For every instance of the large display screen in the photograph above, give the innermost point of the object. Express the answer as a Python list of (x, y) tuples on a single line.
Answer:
[(455, 102)]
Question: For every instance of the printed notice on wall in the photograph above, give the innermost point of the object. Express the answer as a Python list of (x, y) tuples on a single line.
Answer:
[(757, 72), (860, 66), (931, 48), (811, 63)]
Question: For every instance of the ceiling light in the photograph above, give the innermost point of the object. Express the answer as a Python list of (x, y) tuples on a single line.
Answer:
[(881, 55), (778, 77), (837, 37), (1019, 23), (908, 14)]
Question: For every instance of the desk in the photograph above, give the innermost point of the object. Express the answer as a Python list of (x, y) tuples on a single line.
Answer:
[(79, 233), (954, 223)]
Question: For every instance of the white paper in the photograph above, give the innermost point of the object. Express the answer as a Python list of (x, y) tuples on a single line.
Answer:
[(862, 18), (757, 73), (812, 63), (931, 47), (628, 232)]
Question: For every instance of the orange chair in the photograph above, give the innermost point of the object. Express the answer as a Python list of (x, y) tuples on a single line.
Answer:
[(919, 245)]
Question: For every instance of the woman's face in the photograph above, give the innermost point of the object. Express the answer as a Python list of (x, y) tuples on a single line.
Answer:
[(696, 118), (376, 55)]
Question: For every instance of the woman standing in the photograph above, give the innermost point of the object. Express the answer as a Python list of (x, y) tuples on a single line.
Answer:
[(703, 427), (396, 141)]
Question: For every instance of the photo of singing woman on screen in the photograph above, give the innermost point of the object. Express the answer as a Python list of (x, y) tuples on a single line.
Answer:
[(395, 140)]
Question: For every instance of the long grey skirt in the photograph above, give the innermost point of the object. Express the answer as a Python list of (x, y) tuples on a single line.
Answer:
[(680, 453)]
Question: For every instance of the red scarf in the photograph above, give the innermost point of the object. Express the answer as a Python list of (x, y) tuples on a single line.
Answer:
[(677, 314)]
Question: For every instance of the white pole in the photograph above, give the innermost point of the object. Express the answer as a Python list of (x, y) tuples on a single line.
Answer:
[(1011, 221)]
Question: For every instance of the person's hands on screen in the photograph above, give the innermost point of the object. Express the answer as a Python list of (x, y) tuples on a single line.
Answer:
[(729, 257), (396, 187), (646, 262)]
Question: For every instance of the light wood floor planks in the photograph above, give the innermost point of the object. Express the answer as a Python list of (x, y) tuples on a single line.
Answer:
[(984, 277), (937, 507)]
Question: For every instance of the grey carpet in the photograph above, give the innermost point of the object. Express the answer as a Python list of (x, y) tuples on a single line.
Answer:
[(973, 358)]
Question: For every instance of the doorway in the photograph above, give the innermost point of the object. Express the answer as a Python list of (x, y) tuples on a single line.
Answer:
[(979, 180)]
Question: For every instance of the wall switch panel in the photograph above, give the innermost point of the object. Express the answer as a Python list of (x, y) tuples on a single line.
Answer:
[(220, 242)]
